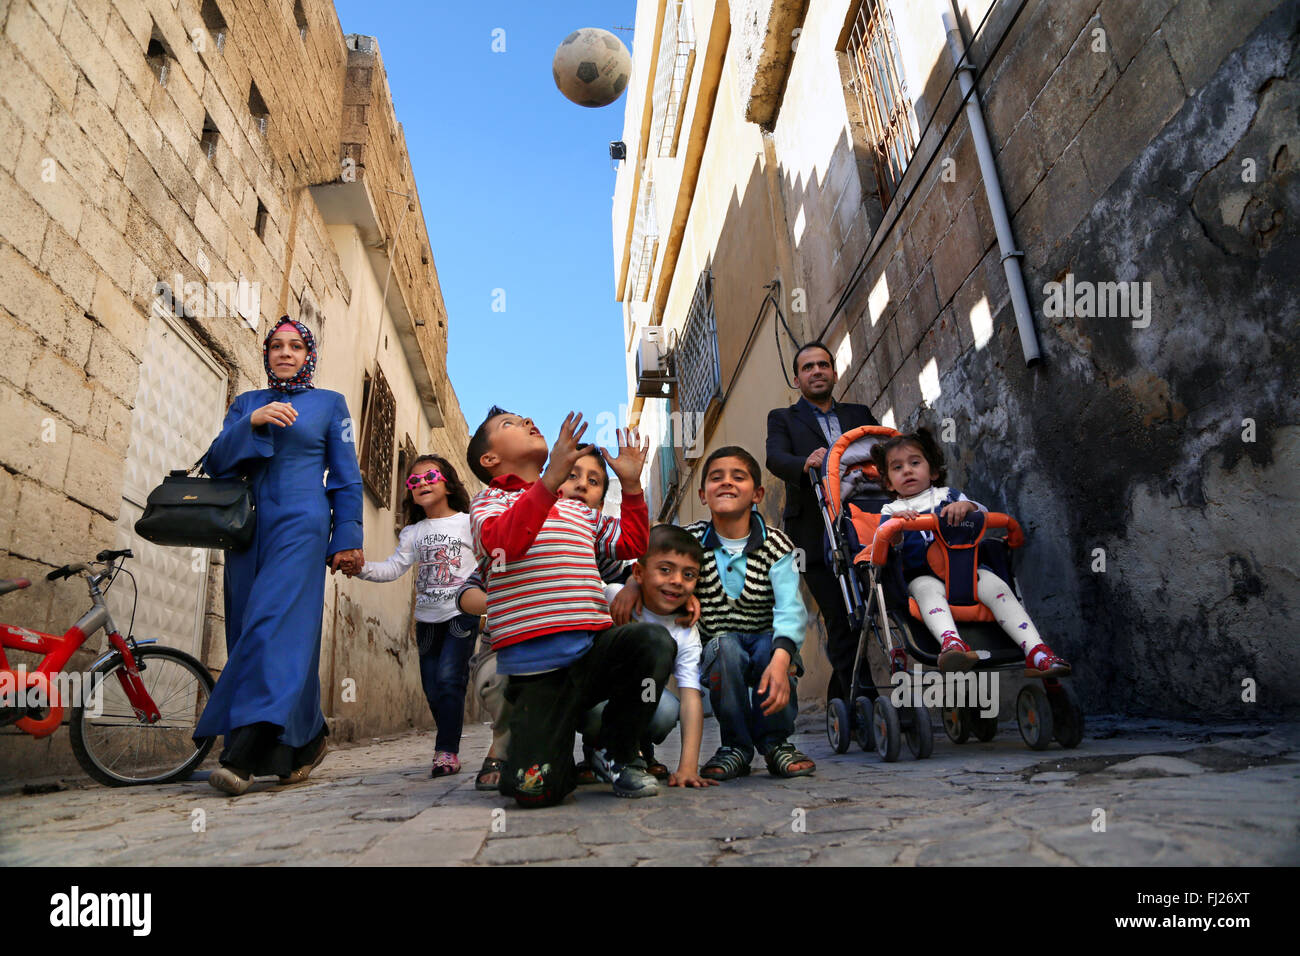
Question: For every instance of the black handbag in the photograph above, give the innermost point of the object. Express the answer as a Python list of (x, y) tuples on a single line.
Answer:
[(197, 512)]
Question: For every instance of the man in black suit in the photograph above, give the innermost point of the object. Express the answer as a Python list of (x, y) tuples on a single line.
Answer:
[(798, 438)]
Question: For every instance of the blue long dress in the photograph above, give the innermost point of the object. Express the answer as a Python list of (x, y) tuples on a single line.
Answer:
[(275, 590)]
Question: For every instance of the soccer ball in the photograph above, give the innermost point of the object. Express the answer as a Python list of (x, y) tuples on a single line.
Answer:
[(591, 67)]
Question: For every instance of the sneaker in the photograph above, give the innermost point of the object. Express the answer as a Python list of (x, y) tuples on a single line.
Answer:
[(629, 779), (956, 655), (444, 764), (230, 781), (1041, 662)]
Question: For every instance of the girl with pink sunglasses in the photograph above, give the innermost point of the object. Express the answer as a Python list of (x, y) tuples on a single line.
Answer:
[(437, 538)]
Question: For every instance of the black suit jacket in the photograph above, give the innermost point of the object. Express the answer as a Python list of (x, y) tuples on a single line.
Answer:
[(792, 435)]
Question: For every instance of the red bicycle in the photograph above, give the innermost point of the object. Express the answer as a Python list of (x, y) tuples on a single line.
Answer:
[(136, 727)]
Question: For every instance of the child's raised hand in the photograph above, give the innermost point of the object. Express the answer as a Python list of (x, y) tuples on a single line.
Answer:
[(632, 452), (566, 450), (955, 511)]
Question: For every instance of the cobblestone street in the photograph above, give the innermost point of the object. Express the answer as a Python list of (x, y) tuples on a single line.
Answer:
[(1172, 794)]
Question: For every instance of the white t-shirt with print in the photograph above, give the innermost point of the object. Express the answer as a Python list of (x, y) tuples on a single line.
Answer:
[(686, 667), (444, 550)]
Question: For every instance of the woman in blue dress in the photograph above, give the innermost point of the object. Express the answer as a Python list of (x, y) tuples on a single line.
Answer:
[(285, 438)]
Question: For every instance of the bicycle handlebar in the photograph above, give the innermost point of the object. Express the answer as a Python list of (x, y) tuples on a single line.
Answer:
[(68, 570)]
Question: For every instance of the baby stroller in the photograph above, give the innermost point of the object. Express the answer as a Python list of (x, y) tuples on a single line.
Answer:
[(878, 604)]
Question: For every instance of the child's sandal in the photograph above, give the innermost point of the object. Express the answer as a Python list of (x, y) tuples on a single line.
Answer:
[(1041, 662), (492, 766), (727, 764), (956, 655), (785, 756)]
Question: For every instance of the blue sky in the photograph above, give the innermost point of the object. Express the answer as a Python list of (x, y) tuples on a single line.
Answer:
[(516, 186)]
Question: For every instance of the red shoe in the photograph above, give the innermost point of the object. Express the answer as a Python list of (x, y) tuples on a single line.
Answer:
[(1041, 662), (956, 655)]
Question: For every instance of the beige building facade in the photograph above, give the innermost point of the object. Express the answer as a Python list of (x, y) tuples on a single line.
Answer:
[(800, 171), (174, 177)]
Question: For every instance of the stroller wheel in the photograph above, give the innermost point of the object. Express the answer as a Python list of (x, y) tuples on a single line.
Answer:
[(984, 728), (920, 733), (1066, 715), (1034, 714), (838, 729), (956, 724), (862, 722), (885, 729)]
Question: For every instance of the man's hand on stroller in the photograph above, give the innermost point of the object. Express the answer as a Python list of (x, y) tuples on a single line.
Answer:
[(815, 459), (775, 682)]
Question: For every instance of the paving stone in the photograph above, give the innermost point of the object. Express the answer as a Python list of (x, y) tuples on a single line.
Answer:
[(531, 849), (373, 804), (1161, 766)]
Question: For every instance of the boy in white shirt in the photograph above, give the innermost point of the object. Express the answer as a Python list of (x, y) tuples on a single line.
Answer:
[(666, 575)]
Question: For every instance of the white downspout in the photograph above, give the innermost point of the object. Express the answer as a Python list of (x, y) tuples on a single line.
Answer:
[(993, 190)]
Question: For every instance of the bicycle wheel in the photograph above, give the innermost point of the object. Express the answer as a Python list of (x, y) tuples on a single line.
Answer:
[(118, 749)]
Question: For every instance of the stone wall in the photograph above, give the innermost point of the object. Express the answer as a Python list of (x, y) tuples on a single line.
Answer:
[(1143, 142), (119, 170), (1136, 142)]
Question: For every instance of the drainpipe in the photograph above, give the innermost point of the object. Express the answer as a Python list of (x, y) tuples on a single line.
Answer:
[(993, 190)]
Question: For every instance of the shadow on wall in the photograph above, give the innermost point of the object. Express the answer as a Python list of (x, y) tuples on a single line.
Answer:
[(1151, 457)]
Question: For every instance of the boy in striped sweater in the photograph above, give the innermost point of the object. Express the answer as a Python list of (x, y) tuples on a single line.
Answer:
[(752, 618), (547, 612)]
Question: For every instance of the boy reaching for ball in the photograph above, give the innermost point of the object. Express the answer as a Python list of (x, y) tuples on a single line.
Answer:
[(547, 612)]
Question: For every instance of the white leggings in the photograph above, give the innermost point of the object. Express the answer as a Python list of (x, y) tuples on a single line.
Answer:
[(993, 592)]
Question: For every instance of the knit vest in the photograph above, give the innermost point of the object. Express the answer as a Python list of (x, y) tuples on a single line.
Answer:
[(751, 612)]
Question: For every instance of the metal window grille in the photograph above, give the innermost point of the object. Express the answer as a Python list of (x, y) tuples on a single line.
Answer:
[(699, 369), (881, 94), (405, 458), (672, 74), (645, 241), (377, 442)]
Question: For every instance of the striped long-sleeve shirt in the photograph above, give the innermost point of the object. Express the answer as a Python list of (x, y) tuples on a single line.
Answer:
[(541, 551)]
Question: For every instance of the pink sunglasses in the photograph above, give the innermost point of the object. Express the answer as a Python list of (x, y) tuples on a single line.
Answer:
[(430, 477)]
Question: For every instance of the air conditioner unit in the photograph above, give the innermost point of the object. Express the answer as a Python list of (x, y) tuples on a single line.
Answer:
[(654, 378)]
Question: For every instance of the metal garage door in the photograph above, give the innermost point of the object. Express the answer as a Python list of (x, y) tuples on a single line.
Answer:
[(179, 407)]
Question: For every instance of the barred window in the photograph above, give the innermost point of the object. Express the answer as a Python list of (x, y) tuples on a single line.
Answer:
[(672, 76), (881, 94), (377, 437), (645, 242), (699, 369), (405, 458)]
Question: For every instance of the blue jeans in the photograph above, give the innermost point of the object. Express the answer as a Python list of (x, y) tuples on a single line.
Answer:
[(732, 666), (445, 649)]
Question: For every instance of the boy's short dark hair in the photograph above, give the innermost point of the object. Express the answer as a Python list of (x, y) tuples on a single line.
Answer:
[(794, 362), (921, 439), (669, 537), (733, 451), (478, 445)]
